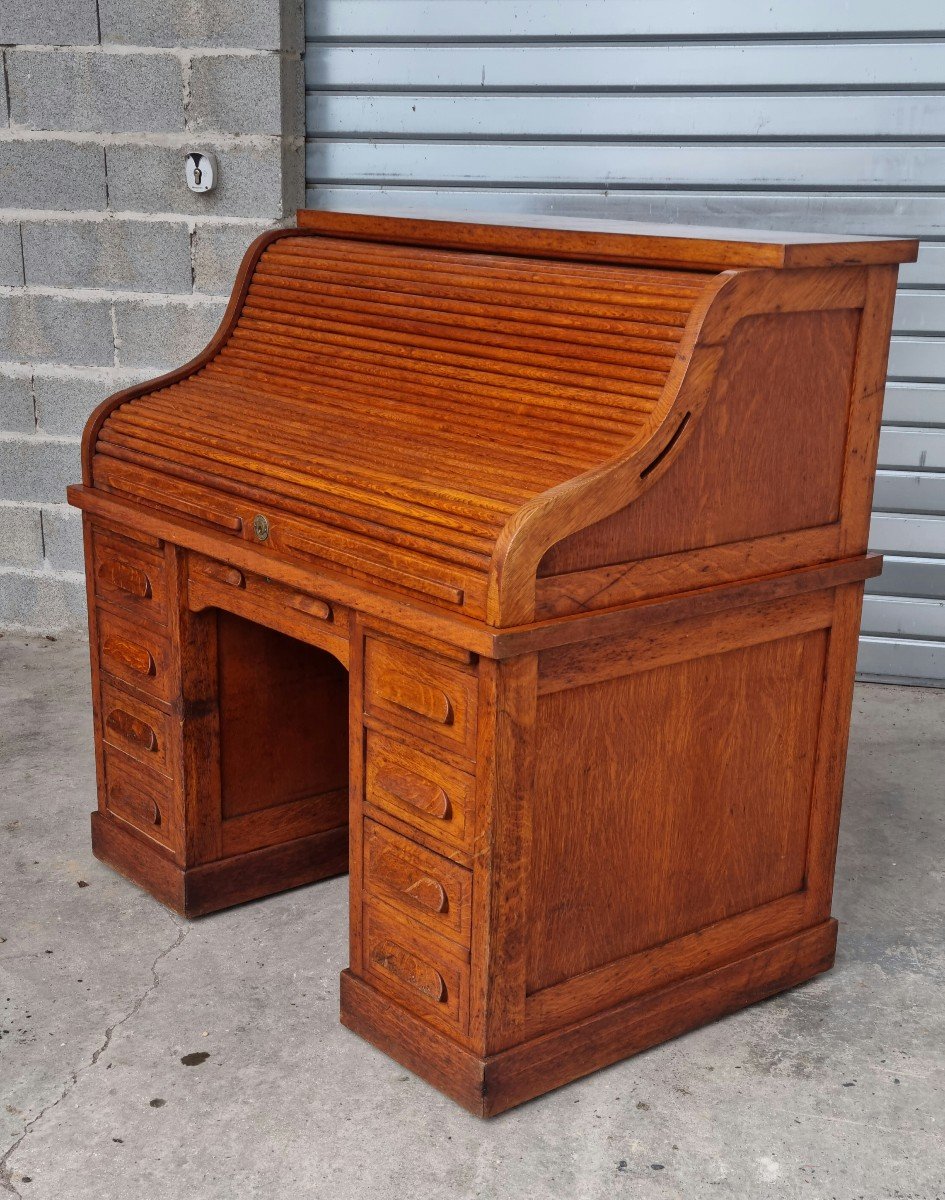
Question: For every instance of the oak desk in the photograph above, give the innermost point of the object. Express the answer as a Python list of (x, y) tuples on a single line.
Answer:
[(517, 567)]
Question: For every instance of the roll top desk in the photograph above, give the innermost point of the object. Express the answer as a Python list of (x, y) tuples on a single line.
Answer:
[(517, 569)]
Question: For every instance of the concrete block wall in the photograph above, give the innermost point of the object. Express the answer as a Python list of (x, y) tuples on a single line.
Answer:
[(111, 271)]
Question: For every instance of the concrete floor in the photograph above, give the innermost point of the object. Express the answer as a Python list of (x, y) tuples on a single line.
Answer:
[(835, 1091)]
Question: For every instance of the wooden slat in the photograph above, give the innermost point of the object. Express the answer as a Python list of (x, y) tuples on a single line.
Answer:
[(347, 397)]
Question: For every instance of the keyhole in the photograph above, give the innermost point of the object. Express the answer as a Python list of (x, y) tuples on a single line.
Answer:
[(198, 175)]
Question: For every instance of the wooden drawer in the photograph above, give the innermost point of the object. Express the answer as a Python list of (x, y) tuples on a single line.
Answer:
[(216, 584), (419, 971), (421, 884), (141, 798), (129, 576), (414, 788), (420, 693), (136, 654), (139, 729)]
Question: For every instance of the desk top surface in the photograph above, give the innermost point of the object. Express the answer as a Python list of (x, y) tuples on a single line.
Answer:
[(629, 242)]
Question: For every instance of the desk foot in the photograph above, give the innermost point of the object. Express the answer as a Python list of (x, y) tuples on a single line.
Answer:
[(221, 884), (488, 1086)]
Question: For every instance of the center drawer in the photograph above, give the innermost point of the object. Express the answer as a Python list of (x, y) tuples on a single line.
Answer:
[(428, 888)]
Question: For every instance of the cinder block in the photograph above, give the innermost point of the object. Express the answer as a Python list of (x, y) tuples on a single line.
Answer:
[(109, 93), (63, 405), (142, 256), (21, 538), (151, 179), (38, 470), (249, 24), (42, 602), (56, 330), (218, 251), (163, 335), (47, 173), (11, 256), (233, 94), (48, 23), (62, 539), (16, 405)]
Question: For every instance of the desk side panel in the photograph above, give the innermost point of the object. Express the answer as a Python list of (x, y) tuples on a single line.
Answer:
[(686, 795), (777, 472)]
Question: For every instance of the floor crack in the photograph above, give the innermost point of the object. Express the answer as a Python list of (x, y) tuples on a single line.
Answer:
[(6, 1175)]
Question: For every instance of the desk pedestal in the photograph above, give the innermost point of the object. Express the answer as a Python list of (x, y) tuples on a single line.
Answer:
[(602, 834)]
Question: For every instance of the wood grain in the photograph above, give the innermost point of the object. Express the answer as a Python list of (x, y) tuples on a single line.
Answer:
[(665, 817), (589, 239), (517, 567)]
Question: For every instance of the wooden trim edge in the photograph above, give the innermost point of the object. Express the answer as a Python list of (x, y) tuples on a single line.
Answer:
[(216, 885), (488, 1086)]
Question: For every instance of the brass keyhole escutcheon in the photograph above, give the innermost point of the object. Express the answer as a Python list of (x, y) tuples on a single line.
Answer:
[(260, 527)]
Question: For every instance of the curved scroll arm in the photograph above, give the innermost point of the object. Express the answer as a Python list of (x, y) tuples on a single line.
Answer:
[(574, 505)]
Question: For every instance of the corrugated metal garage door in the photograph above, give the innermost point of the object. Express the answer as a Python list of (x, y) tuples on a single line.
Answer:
[(792, 114)]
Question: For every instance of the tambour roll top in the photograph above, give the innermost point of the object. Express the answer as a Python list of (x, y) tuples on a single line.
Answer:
[(389, 409)]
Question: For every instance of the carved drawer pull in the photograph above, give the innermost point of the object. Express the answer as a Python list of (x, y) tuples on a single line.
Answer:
[(224, 574), (312, 607), (130, 654), (415, 696), (131, 728), (143, 806), (428, 893), (126, 577), (399, 874), (410, 970), (419, 793)]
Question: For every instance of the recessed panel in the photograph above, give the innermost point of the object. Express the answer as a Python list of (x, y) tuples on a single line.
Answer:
[(683, 799), (283, 720)]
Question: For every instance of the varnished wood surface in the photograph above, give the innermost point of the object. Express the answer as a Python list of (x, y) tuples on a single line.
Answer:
[(487, 1086), (519, 570), (692, 822), (782, 467), (453, 634), (396, 417), (361, 390), (597, 239), (216, 885)]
